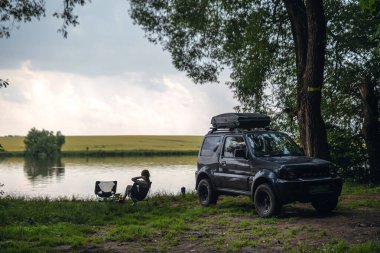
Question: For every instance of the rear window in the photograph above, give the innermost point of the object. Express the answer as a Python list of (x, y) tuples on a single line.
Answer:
[(210, 145)]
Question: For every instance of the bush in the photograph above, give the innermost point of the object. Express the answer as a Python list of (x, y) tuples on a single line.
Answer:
[(43, 143), (348, 152)]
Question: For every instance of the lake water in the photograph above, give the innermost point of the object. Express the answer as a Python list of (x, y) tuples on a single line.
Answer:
[(76, 176)]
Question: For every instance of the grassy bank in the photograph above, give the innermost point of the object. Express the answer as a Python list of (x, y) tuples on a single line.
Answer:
[(125, 145), (167, 223)]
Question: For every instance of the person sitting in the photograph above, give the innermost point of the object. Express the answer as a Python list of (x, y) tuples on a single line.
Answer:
[(139, 189)]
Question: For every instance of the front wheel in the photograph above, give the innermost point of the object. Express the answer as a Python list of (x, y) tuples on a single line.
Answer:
[(265, 201), (325, 205), (206, 194)]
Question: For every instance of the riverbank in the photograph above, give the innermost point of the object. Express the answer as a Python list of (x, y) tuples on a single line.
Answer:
[(123, 145), (176, 223)]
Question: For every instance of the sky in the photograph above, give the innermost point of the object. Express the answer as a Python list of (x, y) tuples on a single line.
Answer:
[(104, 79)]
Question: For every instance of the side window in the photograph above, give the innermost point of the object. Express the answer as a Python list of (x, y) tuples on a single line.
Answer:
[(232, 145), (210, 145)]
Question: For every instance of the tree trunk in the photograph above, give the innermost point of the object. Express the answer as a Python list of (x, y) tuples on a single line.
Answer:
[(371, 128), (297, 14), (309, 34)]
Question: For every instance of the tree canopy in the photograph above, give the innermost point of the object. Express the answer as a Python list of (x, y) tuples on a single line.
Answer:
[(43, 143), (253, 40), (13, 12), (265, 45)]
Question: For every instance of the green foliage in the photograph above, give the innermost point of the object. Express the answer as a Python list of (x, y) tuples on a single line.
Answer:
[(351, 59), (348, 152), (1, 191), (43, 143), (253, 41), (204, 37), (14, 11), (374, 7), (18, 11)]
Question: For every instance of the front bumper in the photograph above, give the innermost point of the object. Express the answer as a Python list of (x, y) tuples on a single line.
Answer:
[(305, 190)]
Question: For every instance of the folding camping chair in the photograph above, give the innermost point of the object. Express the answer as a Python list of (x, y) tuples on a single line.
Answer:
[(105, 190)]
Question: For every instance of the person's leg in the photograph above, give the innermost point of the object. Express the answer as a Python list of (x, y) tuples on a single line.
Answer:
[(127, 192)]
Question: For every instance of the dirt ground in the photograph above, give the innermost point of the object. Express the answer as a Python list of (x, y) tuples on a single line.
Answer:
[(298, 228)]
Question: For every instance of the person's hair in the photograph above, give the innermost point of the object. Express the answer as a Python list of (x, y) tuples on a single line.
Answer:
[(145, 173)]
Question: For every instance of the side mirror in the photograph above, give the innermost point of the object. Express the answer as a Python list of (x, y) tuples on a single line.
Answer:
[(240, 153)]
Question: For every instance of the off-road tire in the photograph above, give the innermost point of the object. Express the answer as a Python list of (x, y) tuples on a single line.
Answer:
[(266, 203), (325, 205), (206, 195)]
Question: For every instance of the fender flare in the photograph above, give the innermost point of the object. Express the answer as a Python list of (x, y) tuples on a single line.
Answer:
[(261, 177), (202, 174)]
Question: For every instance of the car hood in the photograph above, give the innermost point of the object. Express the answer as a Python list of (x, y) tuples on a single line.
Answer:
[(294, 161)]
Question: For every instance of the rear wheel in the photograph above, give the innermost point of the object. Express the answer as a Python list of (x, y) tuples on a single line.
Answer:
[(325, 205), (207, 196), (265, 201)]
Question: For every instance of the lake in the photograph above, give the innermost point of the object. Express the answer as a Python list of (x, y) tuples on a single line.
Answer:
[(69, 177)]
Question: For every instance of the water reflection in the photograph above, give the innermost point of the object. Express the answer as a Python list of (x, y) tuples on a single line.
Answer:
[(138, 161), (77, 176), (36, 168)]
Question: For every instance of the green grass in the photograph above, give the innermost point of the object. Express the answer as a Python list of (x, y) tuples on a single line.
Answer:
[(122, 145), (357, 189), (341, 246), (167, 223)]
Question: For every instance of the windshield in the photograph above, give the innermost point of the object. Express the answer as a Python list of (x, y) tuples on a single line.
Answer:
[(273, 144)]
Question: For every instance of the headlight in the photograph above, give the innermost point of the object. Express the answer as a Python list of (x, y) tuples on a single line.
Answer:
[(332, 170), (288, 174)]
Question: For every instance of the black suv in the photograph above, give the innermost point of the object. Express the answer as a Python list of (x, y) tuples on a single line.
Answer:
[(240, 156)]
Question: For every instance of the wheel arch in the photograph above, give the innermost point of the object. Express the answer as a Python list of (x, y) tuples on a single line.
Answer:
[(203, 175), (263, 177)]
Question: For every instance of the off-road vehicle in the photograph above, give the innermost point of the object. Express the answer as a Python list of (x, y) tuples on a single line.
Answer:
[(242, 156)]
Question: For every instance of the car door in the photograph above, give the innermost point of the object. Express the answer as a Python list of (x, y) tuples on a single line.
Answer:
[(234, 169), (208, 158)]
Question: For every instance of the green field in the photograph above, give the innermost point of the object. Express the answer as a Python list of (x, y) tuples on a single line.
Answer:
[(116, 143)]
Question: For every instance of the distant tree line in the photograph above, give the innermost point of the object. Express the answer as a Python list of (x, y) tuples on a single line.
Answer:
[(43, 143)]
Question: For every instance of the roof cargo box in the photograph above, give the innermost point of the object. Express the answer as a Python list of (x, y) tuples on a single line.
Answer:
[(240, 120)]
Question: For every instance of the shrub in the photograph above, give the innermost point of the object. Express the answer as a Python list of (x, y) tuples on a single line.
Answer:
[(43, 143)]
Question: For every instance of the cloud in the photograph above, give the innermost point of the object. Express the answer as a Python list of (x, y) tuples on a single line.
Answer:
[(111, 105), (106, 78), (105, 43)]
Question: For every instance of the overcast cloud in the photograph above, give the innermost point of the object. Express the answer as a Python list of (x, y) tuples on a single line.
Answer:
[(106, 78)]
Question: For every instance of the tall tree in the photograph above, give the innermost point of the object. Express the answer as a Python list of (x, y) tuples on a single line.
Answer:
[(206, 36), (371, 127), (309, 33), (352, 63)]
